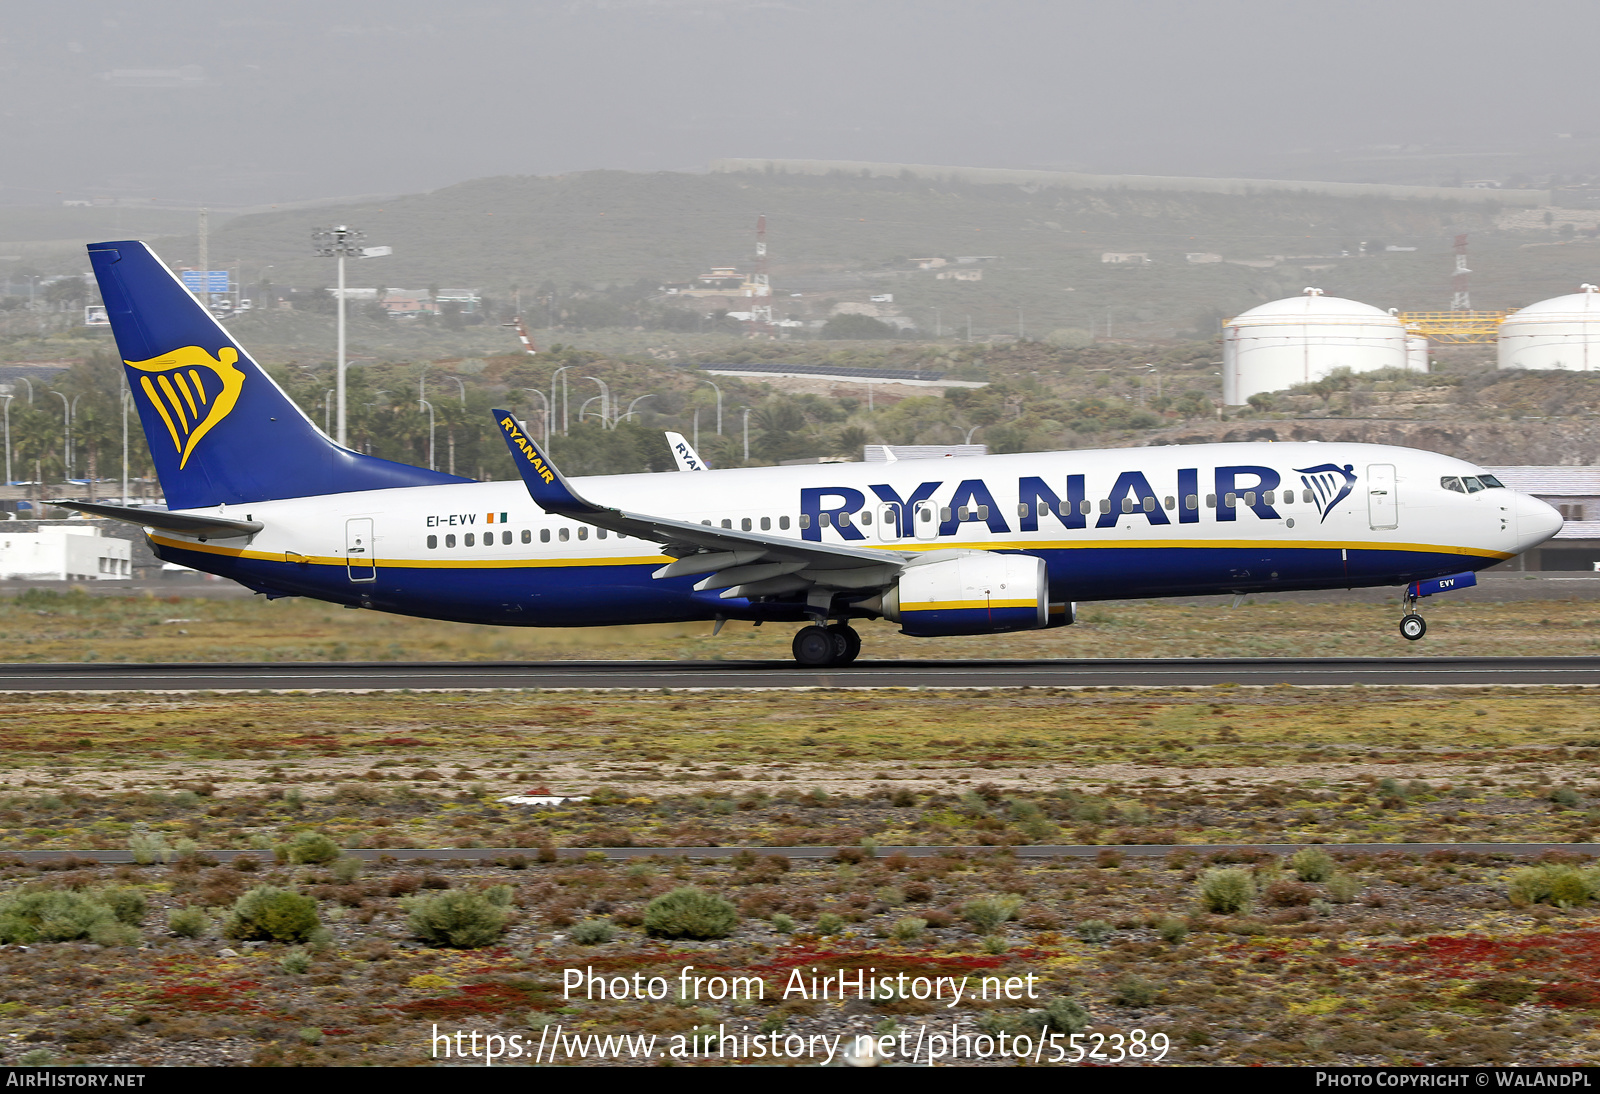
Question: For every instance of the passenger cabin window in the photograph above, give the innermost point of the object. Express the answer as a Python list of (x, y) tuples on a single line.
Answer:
[(469, 539), (1211, 501), (866, 518), (527, 535), (744, 525), (727, 523), (1231, 500), (766, 524), (844, 520), (1085, 507), (1267, 497), (1191, 502), (805, 520), (783, 523), (505, 537), (450, 541), (1105, 505), (1127, 505), (583, 531), (565, 534), (1250, 497), (601, 534), (544, 535), (1169, 502), (433, 543)]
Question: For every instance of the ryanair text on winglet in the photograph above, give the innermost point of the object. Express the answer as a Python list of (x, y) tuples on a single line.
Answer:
[(509, 424)]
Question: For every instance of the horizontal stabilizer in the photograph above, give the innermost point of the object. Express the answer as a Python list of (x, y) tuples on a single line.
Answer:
[(189, 524)]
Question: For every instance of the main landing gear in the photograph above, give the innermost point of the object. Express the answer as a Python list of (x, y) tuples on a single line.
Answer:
[(821, 647)]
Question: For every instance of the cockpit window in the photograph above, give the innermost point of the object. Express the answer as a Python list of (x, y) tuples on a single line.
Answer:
[(1473, 484), (1491, 482), (1451, 482)]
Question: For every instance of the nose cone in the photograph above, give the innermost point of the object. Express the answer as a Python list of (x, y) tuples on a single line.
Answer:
[(1536, 521)]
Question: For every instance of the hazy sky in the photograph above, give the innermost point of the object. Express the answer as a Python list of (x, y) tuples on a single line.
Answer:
[(236, 103)]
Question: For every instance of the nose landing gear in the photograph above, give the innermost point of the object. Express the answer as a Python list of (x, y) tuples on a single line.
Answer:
[(1412, 625)]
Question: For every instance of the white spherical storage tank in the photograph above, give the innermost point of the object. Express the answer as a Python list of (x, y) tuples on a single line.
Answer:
[(1563, 332), (1304, 338)]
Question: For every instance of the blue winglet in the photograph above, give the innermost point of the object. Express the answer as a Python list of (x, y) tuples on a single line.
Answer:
[(545, 484)]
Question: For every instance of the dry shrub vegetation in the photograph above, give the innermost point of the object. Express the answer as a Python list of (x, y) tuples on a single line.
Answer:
[(42, 625), (299, 953)]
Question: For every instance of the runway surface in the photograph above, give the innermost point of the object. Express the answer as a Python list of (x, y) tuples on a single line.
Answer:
[(651, 675)]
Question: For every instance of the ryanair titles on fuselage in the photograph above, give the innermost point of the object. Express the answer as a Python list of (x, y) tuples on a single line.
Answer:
[(1230, 488)]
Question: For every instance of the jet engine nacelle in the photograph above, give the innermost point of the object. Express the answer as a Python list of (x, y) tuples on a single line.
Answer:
[(972, 594)]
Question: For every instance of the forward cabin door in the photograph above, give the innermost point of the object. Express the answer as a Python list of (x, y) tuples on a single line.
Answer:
[(359, 560), (1383, 504)]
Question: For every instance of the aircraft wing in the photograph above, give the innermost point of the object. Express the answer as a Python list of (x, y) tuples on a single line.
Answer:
[(743, 564)]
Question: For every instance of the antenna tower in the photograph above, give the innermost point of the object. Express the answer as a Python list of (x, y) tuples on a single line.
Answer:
[(761, 286), (1460, 299)]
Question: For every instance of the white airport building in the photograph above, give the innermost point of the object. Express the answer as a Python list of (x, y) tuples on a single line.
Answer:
[(1304, 338), (64, 552)]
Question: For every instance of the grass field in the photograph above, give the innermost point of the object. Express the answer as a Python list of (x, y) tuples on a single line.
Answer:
[(1239, 958), (47, 626)]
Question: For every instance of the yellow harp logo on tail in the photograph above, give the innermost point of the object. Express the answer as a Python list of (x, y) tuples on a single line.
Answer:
[(192, 391)]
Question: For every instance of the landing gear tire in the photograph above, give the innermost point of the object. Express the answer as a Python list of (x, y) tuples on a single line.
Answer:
[(1413, 626), (847, 643), (815, 647)]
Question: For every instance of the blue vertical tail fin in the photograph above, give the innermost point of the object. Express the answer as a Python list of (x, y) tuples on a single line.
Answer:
[(220, 430)]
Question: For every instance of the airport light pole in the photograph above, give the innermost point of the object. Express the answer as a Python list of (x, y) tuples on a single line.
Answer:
[(8, 399), (66, 436), (605, 400), (127, 397), (565, 404), (628, 417), (544, 400), (713, 383), (343, 242), (429, 408)]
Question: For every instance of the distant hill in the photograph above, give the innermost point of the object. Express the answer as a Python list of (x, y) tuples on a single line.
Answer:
[(844, 236), (855, 234)]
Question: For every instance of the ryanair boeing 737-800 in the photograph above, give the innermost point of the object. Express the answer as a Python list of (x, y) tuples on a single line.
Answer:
[(976, 545)]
